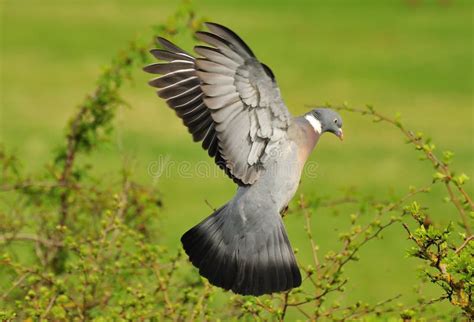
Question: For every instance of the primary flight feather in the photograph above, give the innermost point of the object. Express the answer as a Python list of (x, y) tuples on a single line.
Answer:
[(231, 103)]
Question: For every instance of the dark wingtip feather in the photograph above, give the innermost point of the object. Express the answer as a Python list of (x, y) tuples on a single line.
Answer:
[(165, 43), (150, 68), (171, 47), (205, 35), (215, 26), (167, 55), (162, 41), (268, 71)]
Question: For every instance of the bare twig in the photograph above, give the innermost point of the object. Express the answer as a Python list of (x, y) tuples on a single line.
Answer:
[(49, 307), (31, 184), (464, 244), (209, 205), (15, 285), (307, 216), (29, 237), (338, 202), (458, 206), (320, 296), (285, 305), (371, 309)]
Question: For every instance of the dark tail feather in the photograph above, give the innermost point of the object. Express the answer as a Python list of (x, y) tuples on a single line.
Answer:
[(248, 264)]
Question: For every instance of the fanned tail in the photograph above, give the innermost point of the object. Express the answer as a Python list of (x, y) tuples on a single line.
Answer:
[(256, 262)]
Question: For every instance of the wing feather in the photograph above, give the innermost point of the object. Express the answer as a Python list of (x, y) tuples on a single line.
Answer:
[(159, 68), (227, 113), (217, 90), (213, 78), (214, 54), (218, 102), (218, 42), (213, 67)]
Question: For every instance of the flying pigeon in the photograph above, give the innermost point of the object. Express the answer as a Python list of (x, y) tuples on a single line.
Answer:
[(230, 102)]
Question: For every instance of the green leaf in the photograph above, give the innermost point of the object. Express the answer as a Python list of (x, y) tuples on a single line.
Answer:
[(461, 179), (439, 176)]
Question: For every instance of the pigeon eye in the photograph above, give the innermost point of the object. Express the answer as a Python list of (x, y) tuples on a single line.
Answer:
[(335, 121)]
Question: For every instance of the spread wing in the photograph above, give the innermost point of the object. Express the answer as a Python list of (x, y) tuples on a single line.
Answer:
[(227, 99)]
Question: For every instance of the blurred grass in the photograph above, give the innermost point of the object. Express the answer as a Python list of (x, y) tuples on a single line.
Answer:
[(416, 60)]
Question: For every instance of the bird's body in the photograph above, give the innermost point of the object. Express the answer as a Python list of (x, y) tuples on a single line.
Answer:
[(231, 102), (285, 164)]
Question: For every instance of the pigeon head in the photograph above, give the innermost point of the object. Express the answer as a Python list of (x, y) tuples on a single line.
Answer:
[(326, 120)]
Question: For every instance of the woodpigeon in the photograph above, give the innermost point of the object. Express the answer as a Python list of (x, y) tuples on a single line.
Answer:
[(231, 103)]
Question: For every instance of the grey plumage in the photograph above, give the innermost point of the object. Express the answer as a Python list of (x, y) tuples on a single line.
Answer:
[(231, 103)]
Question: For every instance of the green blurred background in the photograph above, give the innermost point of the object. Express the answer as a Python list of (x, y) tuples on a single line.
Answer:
[(412, 57)]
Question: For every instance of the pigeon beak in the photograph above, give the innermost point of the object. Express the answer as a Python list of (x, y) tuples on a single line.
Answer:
[(340, 135)]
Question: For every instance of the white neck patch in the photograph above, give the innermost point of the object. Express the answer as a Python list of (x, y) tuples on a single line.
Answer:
[(314, 123)]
